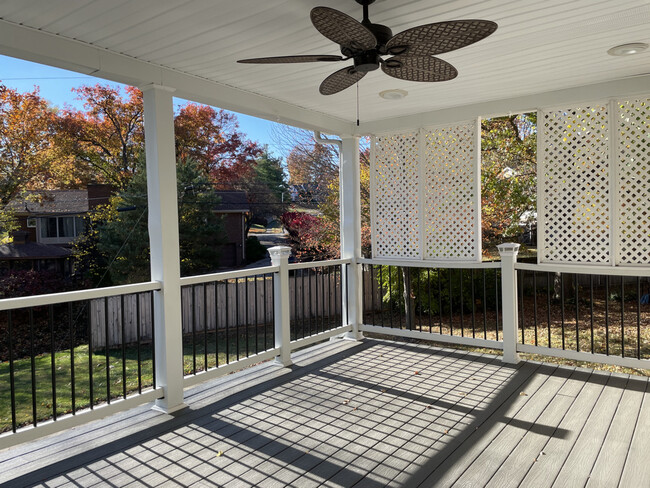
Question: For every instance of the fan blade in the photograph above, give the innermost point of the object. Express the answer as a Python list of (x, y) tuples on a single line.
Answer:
[(340, 80), (342, 29), (311, 58), (419, 68), (441, 37)]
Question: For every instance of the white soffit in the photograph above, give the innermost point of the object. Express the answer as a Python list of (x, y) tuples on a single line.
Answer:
[(193, 45)]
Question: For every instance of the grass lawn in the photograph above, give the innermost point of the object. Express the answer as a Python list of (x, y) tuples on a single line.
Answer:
[(122, 372)]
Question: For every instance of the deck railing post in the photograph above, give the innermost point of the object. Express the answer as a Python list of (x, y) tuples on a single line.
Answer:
[(351, 234), (280, 257), (164, 244), (508, 252)]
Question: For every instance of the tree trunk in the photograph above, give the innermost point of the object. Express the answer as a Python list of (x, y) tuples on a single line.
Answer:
[(409, 302)]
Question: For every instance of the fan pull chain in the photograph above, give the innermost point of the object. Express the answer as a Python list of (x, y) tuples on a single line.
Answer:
[(357, 104)]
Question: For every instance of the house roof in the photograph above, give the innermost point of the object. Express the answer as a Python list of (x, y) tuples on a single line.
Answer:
[(544, 52), (33, 250), (50, 202), (232, 202)]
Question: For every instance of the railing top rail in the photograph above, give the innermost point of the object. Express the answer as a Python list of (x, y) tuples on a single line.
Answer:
[(76, 296), (318, 264), (432, 264), (587, 269), (227, 275)]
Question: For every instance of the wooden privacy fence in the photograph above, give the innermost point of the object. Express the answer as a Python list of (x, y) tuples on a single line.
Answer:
[(221, 304)]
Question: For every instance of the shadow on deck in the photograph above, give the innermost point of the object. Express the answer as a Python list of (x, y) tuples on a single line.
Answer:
[(369, 414)]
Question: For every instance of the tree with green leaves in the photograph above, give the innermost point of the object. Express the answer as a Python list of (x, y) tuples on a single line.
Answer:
[(115, 247)]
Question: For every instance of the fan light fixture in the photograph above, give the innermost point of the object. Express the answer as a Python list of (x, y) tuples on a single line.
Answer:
[(393, 94), (628, 49), (409, 55)]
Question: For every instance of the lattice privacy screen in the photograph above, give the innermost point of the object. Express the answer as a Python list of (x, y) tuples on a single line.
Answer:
[(425, 194), (594, 183), (633, 192)]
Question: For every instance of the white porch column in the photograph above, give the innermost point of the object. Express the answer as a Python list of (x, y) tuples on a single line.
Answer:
[(508, 254), (163, 236), (350, 198), (280, 257)]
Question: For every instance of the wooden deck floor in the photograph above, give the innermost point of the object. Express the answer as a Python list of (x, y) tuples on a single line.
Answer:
[(369, 414)]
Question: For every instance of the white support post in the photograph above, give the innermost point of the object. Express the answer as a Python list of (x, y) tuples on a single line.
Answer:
[(508, 254), (163, 237), (349, 184), (280, 257)]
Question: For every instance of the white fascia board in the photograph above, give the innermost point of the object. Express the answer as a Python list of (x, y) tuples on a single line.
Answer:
[(637, 85), (46, 48)]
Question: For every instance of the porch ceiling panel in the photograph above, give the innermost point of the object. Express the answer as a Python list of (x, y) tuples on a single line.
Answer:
[(539, 47)]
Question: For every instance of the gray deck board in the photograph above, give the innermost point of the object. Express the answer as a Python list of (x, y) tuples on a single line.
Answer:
[(637, 468), (366, 414), (609, 465)]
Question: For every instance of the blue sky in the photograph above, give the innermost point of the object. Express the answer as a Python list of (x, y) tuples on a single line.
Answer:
[(56, 86)]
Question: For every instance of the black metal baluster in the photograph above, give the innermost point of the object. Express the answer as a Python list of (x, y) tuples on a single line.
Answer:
[(575, 284), (303, 290), (390, 295), (562, 307), (484, 300), (439, 299), (548, 306), (265, 296), (591, 309), (257, 317), (347, 270), (273, 302), (52, 358), (216, 324), (73, 398), (607, 315), (311, 310), (123, 346), (193, 314), (372, 295), (450, 275), (153, 338), (138, 332), (520, 290), (108, 357), (12, 380), (237, 316), (429, 295), (33, 363), (316, 314), (295, 304), (246, 317), (497, 289), (638, 317), (381, 295), (535, 324), (227, 325), (322, 305), (462, 304), (622, 316), (205, 326), (329, 295), (91, 383), (471, 274)]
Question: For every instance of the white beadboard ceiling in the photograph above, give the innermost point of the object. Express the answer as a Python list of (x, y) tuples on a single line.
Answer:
[(540, 46)]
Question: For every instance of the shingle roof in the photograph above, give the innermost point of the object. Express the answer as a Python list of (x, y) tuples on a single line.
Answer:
[(33, 250), (50, 202), (232, 202)]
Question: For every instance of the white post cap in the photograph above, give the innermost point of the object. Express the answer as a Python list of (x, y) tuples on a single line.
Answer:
[(508, 249)]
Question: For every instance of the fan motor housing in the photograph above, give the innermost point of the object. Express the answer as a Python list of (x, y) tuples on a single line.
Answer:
[(366, 61)]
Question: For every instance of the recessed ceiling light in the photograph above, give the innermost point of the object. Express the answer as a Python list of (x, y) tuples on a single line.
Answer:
[(393, 94), (628, 49)]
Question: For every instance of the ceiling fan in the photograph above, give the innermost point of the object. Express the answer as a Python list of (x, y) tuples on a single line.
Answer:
[(366, 44)]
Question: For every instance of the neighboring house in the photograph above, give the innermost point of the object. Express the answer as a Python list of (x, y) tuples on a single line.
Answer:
[(49, 221), (234, 208)]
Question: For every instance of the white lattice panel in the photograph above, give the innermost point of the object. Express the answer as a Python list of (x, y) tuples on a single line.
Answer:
[(633, 195), (395, 197), (574, 188), (451, 203)]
